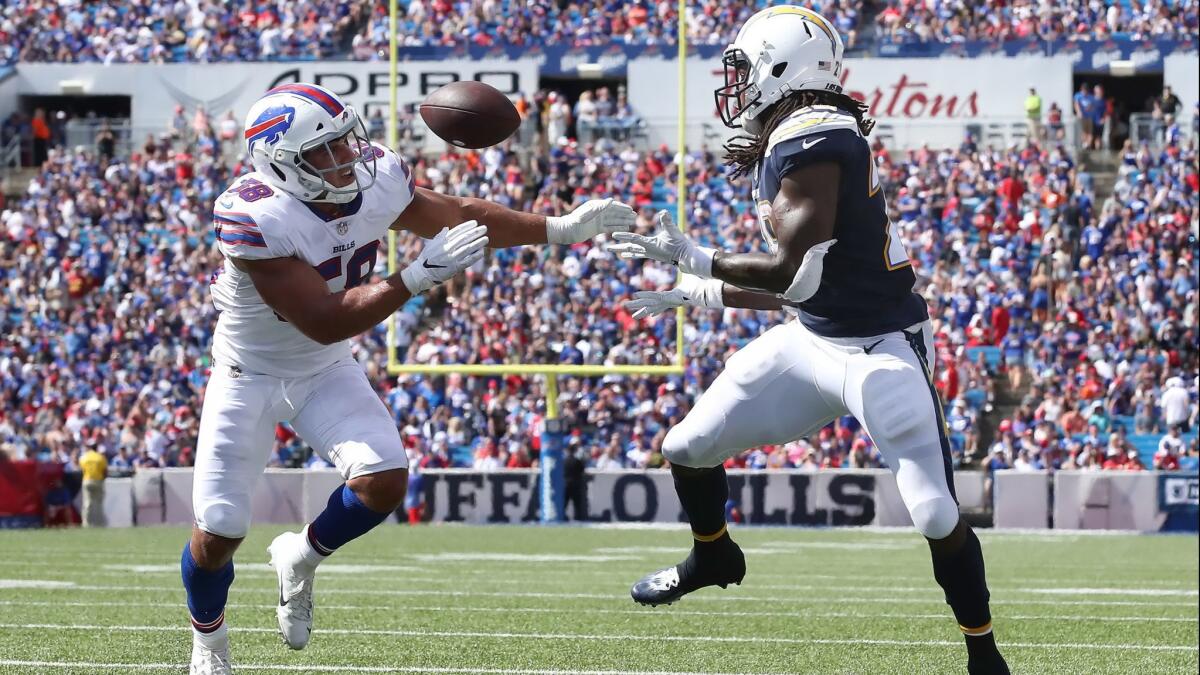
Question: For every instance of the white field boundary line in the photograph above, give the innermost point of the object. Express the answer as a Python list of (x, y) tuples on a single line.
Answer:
[(126, 667), (851, 532), (371, 571), (640, 612), (610, 638), (606, 596), (870, 529)]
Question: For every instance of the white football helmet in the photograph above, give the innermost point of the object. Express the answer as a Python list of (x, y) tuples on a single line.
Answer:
[(778, 51), (292, 119)]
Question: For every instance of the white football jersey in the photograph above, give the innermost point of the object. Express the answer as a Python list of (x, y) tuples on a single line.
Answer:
[(255, 221)]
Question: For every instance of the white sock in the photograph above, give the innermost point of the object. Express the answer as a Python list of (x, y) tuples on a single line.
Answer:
[(216, 640), (309, 554)]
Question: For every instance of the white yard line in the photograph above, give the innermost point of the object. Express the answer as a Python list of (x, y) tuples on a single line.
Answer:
[(125, 667), (610, 638), (540, 576), (945, 616), (264, 569), (514, 577), (620, 595)]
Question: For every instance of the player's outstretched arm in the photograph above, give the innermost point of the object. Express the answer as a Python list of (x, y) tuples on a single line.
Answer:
[(300, 295), (696, 292), (430, 211), (804, 213)]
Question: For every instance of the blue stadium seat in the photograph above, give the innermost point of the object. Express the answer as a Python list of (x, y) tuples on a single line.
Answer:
[(991, 355), (975, 398), (462, 456), (1146, 445)]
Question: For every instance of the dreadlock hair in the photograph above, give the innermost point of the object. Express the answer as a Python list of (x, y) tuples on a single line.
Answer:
[(744, 151)]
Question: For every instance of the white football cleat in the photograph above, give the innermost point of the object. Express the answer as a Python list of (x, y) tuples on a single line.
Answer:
[(295, 610), (209, 660)]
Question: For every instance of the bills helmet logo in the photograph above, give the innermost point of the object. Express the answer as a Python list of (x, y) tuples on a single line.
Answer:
[(270, 125)]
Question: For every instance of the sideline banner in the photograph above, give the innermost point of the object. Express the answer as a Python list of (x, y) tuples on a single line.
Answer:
[(822, 498)]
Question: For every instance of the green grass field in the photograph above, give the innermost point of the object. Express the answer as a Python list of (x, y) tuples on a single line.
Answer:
[(446, 599)]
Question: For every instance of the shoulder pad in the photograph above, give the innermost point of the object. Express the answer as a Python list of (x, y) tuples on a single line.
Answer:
[(246, 220), (806, 121)]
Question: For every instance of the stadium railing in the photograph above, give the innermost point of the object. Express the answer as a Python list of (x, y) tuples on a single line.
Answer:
[(10, 155)]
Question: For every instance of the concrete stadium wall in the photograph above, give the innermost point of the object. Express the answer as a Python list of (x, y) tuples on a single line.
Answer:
[(1148, 501), (155, 89), (916, 100), (924, 100), (1022, 499), (118, 502)]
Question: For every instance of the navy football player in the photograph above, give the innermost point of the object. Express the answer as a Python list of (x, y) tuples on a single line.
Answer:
[(860, 342)]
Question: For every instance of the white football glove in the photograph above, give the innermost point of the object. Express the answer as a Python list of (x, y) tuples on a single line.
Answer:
[(690, 290), (668, 245), (596, 217), (447, 254)]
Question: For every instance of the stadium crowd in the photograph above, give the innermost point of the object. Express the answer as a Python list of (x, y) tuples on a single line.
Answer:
[(107, 320), (209, 31), (160, 32), (992, 20), (578, 24), (1112, 348)]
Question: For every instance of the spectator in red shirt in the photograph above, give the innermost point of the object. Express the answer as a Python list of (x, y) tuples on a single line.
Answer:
[(1011, 189), (1000, 322)]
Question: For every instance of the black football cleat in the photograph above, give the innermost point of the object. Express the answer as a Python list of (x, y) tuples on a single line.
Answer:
[(990, 665), (721, 567)]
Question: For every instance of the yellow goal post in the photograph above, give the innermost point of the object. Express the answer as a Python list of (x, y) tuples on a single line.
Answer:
[(551, 478), (550, 371)]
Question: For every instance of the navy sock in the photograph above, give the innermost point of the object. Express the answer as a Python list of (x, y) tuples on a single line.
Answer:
[(960, 573), (345, 518), (207, 591), (702, 494)]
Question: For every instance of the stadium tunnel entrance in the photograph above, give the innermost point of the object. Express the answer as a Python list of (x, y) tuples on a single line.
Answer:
[(75, 120), (77, 107), (573, 88), (1130, 94)]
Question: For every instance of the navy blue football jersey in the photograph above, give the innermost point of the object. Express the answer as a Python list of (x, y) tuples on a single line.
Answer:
[(867, 280)]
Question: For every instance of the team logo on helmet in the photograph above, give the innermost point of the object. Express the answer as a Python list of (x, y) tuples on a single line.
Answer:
[(270, 125)]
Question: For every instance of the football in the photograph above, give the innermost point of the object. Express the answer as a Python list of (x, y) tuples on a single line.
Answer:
[(470, 114)]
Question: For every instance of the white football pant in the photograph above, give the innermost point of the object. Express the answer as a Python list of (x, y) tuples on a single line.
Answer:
[(790, 382), (336, 411)]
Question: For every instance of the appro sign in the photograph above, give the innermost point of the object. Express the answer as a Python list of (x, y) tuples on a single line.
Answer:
[(155, 89)]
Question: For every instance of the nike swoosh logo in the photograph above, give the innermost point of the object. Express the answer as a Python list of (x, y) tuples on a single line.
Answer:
[(282, 602), (225, 204), (427, 266), (809, 142), (870, 349)]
